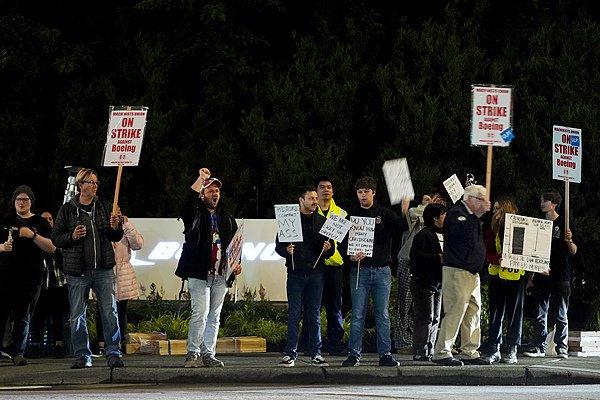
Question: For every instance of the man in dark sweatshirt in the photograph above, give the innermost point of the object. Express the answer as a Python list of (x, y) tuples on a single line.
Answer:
[(375, 277), (305, 278), (464, 256)]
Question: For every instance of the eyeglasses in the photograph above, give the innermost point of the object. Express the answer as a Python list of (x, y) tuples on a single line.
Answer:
[(92, 182), (22, 199), (478, 198)]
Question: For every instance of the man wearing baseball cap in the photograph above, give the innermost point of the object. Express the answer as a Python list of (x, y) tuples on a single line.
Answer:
[(208, 230)]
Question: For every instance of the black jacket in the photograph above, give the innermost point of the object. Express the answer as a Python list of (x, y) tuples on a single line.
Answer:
[(386, 242), (73, 251), (463, 240), (425, 261), (196, 260), (307, 251)]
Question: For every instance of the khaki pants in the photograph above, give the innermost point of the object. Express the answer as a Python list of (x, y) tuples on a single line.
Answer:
[(461, 297)]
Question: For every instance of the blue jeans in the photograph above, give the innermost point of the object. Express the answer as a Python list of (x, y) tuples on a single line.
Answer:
[(374, 282), (102, 282), (552, 298), (307, 287), (506, 305), (207, 302)]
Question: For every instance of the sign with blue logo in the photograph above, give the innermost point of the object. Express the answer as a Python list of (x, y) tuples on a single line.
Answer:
[(566, 154)]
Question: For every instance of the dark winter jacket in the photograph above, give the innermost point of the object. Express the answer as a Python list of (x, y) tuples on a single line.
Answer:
[(95, 249), (425, 261), (308, 251), (196, 256), (463, 240)]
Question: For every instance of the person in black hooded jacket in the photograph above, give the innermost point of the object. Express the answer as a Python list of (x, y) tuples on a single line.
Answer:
[(208, 230)]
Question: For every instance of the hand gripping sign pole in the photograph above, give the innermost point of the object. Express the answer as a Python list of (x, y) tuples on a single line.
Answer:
[(126, 126), (566, 160), (491, 122)]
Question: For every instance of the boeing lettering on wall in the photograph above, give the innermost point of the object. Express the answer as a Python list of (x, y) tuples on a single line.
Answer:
[(163, 240)]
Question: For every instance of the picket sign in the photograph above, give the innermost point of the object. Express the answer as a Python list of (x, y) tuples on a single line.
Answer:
[(124, 138)]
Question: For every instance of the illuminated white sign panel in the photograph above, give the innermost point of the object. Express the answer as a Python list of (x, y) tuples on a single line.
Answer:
[(163, 240)]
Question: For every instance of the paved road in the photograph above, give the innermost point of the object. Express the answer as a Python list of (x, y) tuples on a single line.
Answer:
[(149, 392)]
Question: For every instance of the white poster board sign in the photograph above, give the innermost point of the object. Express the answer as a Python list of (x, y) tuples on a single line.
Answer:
[(491, 118), (454, 188), (289, 228), (125, 136), (566, 154), (335, 227), (527, 243), (397, 180), (361, 236), (234, 251)]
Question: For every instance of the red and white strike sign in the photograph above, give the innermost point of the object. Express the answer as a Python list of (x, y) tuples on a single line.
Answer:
[(491, 119), (566, 154), (125, 136)]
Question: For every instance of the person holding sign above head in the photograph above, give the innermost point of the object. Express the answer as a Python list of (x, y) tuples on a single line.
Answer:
[(374, 277), (464, 256), (85, 230), (552, 291), (305, 278), (208, 230), (506, 289)]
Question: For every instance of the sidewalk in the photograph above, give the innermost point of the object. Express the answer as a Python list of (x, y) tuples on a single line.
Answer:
[(263, 369)]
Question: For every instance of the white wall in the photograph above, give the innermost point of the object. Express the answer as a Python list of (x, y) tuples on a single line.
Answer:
[(163, 238)]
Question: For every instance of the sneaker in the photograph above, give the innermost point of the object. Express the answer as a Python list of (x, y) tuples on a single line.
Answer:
[(319, 361), (448, 362), (421, 357), (101, 352), (476, 361), (4, 355), (211, 361), (81, 363), (388, 361), (493, 358), (534, 352), (561, 352), (511, 357), (351, 361), (287, 362), (19, 360), (192, 360), (114, 361)]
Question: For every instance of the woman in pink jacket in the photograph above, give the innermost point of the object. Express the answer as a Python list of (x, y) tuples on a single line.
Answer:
[(126, 283)]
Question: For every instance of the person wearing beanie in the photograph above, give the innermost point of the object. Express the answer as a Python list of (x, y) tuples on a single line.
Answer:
[(24, 238)]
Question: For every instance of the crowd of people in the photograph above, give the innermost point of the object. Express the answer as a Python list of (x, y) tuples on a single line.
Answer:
[(439, 254)]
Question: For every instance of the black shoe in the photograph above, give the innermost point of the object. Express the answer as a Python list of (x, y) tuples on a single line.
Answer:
[(421, 357), (81, 363), (448, 362), (114, 361), (19, 360), (476, 361), (388, 361), (351, 361)]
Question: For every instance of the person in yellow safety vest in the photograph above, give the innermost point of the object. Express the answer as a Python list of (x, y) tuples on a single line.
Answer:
[(333, 274), (506, 289)]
